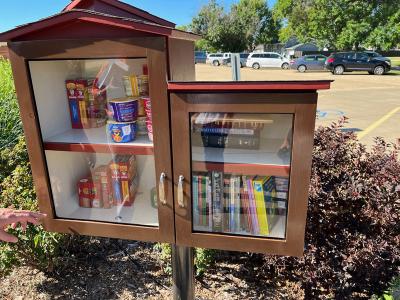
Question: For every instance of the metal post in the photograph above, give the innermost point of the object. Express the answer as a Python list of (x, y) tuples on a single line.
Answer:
[(235, 62), (183, 272)]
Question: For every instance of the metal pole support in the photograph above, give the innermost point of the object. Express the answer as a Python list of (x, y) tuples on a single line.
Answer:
[(235, 62), (183, 272)]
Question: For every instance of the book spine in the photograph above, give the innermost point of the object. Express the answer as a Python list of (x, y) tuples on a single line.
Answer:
[(204, 199), (195, 201), (226, 205), (232, 204), (200, 196), (237, 205), (209, 203), (258, 190), (252, 204), (218, 195), (224, 131)]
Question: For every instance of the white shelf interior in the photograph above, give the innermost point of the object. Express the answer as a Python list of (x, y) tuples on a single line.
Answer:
[(48, 81), (277, 229), (272, 137), (67, 168), (94, 136)]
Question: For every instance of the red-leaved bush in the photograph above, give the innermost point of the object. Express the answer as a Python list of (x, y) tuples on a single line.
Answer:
[(353, 227)]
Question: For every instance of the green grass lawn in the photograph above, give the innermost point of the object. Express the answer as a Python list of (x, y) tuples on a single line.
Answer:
[(395, 61)]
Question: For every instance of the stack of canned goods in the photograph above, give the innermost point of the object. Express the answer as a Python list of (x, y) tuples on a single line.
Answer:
[(127, 116)]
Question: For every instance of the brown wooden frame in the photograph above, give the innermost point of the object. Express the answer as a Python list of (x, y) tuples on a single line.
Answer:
[(155, 51), (303, 106)]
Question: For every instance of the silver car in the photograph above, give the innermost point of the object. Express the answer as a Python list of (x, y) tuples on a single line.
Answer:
[(309, 63)]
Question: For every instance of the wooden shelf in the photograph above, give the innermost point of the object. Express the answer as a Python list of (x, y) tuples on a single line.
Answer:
[(264, 161), (95, 140)]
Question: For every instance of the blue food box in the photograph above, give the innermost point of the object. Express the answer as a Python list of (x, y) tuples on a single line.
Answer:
[(121, 132)]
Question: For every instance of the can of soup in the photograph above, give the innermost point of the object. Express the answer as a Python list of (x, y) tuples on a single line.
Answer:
[(123, 109), (121, 132)]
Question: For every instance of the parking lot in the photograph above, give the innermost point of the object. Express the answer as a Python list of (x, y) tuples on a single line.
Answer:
[(372, 103)]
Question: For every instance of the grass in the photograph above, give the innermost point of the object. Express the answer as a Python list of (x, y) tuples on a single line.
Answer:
[(10, 122), (395, 61)]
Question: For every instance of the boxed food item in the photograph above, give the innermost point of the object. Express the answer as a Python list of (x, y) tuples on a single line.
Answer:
[(86, 102), (102, 176), (123, 175)]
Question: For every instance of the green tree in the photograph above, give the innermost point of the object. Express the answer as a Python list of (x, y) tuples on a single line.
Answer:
[(340, 24), (246, 25)]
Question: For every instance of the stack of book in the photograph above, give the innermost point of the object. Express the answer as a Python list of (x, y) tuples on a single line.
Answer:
[(226, 131), (238, 204)]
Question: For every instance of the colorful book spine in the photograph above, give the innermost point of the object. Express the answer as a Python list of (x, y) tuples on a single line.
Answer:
[(258, 190), (232, 204), (237, 204), (204, 199), (252, 204), (196, 211), (217, 200), (246, 205), (209, 202), (226, 218)]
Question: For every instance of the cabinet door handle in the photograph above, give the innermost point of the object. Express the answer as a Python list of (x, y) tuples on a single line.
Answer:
[(181, 203), (161, 189)]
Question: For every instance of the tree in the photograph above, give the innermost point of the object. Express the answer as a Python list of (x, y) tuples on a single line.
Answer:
[(340, 24), (247, 24)]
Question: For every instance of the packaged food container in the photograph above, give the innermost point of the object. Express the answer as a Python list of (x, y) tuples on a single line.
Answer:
[(147, 103), (121, 132), (141, 126), (123, 109), (149, 125), (141, 109)]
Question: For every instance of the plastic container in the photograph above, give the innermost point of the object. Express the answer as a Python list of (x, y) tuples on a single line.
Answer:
[(121, 132), (123, 109)]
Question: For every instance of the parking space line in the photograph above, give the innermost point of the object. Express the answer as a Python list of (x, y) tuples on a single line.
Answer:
[(378, 123)]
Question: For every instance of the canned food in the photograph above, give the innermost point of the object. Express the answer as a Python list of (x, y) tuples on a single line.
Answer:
[(123, 109), (121, 132), (141, 126)]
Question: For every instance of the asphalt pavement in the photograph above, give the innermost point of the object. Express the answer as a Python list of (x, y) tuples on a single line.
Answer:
[(372, 103)]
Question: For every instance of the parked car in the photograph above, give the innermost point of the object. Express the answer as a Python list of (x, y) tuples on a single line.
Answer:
[(341, 62), (216, 59), (200, 57), (309, 63), (243, 60), (259, 60)]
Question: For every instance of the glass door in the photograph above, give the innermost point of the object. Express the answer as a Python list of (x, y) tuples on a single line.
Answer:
[(241, 168), (100, 140)]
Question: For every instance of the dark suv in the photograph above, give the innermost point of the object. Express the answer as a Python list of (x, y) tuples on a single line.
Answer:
[(341, 62)]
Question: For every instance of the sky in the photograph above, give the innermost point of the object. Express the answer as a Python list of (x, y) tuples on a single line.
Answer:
[(181, 12)]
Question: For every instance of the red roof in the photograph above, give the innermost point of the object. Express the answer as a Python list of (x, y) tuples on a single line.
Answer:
[(123, 21), (117, 8)]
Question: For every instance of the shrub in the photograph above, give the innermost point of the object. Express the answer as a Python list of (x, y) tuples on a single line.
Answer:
[(10, 123), (36, 247), (353, 226)]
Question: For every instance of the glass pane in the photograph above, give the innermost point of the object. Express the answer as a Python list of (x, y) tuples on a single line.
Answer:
[(96, 125), (240, 173)]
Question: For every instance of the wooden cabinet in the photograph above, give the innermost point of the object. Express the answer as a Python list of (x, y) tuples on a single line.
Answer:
[(78, 171), (242, 161), (215, 165)]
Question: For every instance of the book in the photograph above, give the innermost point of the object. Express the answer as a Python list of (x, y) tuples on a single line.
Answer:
[(252, 205), (258, 190), (196, 212), (209, 212), (246, 206), (217, 200), (226, 204)]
